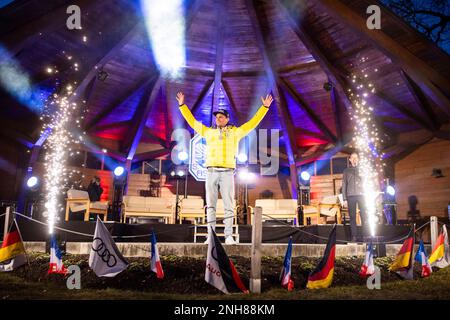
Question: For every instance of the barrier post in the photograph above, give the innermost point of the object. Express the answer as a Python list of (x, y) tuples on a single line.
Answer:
[(434, 230), (255, 273), (6, 226)]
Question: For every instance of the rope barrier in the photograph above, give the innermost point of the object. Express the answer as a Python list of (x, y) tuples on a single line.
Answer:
[(297, 229)]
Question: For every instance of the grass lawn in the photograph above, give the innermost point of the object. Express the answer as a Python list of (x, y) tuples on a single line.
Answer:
[(185, 280)]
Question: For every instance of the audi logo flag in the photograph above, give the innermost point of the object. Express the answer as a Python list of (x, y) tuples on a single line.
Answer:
[(105, 258), (220, 271)]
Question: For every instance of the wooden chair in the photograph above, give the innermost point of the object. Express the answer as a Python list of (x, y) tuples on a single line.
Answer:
[(193, 208), (135, 206), (344, 212), (277, 209), (328, 207), (78, 200)]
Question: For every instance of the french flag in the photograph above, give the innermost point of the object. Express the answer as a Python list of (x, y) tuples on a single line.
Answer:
[(421, 256), (285, 275), (155, 262), (56, 264), (368, 267)]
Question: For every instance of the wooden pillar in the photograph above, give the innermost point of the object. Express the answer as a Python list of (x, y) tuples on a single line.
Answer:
[(255, 272), (127, 172)]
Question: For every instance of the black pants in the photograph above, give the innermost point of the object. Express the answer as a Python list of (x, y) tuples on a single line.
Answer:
[(352, 201)]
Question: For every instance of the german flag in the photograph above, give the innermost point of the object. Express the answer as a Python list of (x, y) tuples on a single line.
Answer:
[(440, 257), (403, 263), (322, 276), (12, 246), (438, 251)]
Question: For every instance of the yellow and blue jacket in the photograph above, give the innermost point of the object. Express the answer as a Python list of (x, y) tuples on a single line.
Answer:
[(222, 144)]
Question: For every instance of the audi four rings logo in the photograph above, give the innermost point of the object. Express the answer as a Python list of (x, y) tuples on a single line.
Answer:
[(99, 246)]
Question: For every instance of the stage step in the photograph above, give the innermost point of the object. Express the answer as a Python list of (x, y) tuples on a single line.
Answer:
[(197, 233)]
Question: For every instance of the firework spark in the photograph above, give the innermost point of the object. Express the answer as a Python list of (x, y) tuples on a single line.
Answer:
[(60, 120), (367, 142)]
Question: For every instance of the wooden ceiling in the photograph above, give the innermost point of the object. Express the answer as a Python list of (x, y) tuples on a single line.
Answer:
[(236, 51)]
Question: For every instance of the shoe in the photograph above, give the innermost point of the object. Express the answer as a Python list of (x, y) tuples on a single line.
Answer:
[(229, 240)]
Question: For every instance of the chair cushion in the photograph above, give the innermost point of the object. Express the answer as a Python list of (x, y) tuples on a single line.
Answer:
[(76, 207), (286, 204), (266, 204), (328, 211), (99, 205), (77, 194), (134, 201), (309, 209), (329, 200)]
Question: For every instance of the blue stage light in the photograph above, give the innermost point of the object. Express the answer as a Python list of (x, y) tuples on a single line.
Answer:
[(32, 182), (118, 171), (305, 175), (180, 173), (390, 190)]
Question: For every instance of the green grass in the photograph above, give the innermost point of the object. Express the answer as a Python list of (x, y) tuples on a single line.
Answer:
[(184, 280)]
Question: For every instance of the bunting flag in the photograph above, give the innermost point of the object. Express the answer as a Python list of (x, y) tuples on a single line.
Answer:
[(404, 262), (56, 265), (220, 271), (368, 267), (285, 276), (440, 257), (322, 276), (105, 258), (12, 251), (155, 262), (421, 256), (12, 246)]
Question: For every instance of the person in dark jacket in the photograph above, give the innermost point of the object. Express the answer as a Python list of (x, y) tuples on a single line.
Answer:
[(94, 189), (352, 192)]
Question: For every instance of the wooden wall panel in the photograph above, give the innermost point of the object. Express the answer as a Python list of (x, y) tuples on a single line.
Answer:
[(413, 177)]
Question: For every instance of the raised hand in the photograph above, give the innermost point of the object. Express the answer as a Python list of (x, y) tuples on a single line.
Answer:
[(267, 101), (180, 98)]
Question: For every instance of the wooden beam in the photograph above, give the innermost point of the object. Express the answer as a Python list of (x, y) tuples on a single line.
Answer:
[(301, 31), (283, 114), (306, 132), (382, 97), (147, 134), (445, 135), (140, 118), (167, 117), (421, 100), (336, 112), (403, 110), (428, 79), (24, 36), (221, 18), (230, 101), (139, 85), (88, 68), (299, 67), (311, 114), (225, 74), (206, 88), (113, 50), (151, 155), (113, 125)]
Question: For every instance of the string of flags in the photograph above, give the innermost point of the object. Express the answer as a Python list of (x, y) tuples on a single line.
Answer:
[(285, 276), (106, 260)]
